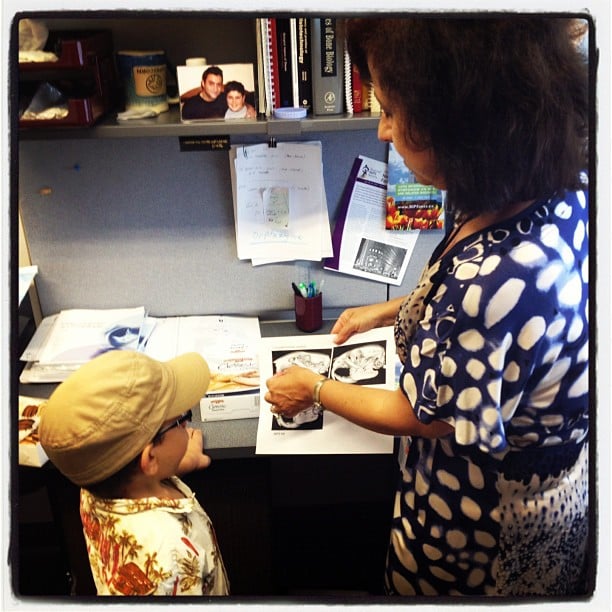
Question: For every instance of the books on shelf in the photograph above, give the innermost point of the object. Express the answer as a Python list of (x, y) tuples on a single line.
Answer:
[(410, 205), (303, 62)]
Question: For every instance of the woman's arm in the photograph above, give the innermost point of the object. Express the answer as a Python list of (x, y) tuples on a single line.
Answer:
[(380, 410)]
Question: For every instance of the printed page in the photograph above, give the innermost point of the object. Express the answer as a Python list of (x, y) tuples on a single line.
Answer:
[(366, 359), (362, 245), (230, 345)]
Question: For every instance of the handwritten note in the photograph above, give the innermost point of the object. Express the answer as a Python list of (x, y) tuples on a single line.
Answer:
[(280, 209)]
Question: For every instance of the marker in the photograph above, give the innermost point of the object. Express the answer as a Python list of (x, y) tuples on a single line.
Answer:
[(296, 289)]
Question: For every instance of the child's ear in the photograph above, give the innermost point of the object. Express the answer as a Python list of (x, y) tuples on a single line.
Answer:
[(148, 460)]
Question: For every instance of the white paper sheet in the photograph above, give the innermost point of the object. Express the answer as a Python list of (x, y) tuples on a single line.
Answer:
[(26, 277), (280, 207), (366, 359)]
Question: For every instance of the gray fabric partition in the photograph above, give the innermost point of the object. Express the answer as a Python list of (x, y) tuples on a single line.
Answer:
[(119, 222)]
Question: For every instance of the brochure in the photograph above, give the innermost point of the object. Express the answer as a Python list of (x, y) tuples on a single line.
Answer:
[(362, 246), (230, 345)]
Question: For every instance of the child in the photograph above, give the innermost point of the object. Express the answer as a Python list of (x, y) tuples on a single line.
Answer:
[(235, 95), (116, 427)]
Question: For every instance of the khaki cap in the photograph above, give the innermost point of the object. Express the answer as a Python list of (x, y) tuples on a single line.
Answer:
[(106, 412)]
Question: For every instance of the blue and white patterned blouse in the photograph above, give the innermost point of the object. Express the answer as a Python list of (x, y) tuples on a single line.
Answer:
[(494, 341)]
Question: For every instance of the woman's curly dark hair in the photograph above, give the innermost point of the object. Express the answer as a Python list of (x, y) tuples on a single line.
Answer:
[(503, 102)]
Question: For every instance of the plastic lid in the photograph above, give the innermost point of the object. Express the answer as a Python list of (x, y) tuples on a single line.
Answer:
[(290, 112)]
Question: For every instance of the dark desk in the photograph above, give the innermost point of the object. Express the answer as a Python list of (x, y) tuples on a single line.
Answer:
[(287, 525)]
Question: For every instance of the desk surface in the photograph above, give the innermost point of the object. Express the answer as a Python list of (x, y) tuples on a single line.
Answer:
[(222, 439)]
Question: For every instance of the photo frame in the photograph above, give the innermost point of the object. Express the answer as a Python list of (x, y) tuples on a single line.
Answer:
[(233, 97)]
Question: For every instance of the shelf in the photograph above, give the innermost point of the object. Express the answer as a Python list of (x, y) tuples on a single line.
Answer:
[(169, 124)]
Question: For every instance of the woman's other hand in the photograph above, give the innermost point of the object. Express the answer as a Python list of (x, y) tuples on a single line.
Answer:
[(364, 318)]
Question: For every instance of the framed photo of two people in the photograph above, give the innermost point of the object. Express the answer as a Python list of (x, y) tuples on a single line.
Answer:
[(220, 91)]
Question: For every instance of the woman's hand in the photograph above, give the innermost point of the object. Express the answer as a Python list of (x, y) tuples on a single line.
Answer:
[(290, 391), (194, 457), (363, 318)]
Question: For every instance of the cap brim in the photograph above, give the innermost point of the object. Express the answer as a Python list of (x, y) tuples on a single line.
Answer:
[(192, 376)]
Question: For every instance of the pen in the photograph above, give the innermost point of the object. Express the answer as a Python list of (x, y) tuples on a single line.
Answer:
[(296, 289), (303, 290)]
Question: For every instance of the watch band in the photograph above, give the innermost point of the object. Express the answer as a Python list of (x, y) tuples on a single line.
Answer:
[(316, 393)]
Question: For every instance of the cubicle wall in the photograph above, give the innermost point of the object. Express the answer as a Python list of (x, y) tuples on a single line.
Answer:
[(117, 222)]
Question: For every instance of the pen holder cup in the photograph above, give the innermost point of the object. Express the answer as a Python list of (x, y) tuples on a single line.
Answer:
[(309, 312)]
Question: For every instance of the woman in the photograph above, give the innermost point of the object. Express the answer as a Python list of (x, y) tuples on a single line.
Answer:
[(493, 397)]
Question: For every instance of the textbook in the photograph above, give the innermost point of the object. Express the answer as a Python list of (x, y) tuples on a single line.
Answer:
[(304, 62), (327, 66), (410, 205), (285, 62)]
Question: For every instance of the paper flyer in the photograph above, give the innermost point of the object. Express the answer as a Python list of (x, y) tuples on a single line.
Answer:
[(361, 244)]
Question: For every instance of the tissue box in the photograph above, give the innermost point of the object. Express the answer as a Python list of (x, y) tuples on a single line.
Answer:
[(30, 450)]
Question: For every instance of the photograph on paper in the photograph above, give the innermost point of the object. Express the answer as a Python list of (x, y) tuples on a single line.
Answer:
[(224, 91)]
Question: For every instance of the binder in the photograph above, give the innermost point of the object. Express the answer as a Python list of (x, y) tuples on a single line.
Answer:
[(327, 66)]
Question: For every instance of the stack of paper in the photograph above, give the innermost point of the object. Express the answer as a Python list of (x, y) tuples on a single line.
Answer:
[(65, 341), (280, 207)]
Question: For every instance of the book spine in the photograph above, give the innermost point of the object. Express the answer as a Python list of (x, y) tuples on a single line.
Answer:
[(293, 38), (327, 67), (274, 70), (262, 83), (283, 45), (357, 86), (304, 62)]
